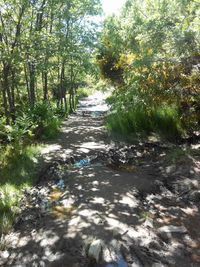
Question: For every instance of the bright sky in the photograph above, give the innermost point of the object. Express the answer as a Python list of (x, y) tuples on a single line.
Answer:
[(112, 6)]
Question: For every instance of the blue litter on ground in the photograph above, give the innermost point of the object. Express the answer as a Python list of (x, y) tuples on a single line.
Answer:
[(60, 184), (44, 204), (83, 162), (120, 262), (86, 162)]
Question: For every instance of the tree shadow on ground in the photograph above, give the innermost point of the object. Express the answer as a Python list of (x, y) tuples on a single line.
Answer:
[(107, 205)]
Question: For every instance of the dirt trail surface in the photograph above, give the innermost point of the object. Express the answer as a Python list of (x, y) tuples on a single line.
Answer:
[(83, 133), (99, 204)]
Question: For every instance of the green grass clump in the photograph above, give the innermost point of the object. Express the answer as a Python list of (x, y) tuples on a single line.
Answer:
[(141, 120), (19, 167), (178, 153), (51, 130), (10, 197)]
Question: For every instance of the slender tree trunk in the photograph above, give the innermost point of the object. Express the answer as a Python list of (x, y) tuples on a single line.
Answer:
[(71, 90), (73, 101), (13, 95), (5, 104), (59, 90), (62, 89), (70, 103), (45, 85), (6, 72), (27, 84), (32, 83), (65, 102)]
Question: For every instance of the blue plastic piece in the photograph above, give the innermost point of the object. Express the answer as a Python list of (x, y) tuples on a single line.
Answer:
[(86, 162), (44, 204), (83, 162), (120, 262), (61, 184)]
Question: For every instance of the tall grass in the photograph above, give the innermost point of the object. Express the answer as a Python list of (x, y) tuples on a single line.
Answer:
[(141, 120), (18, 170)]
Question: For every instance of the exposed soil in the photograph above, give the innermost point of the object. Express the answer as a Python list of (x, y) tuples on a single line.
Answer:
[(125, 195)]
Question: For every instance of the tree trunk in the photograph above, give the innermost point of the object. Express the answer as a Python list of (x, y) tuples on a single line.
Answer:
[(6, 71), (27, 84), (5, 104), (70, 103), (45, 85), (13, 95), (65, 102), (32, 83)]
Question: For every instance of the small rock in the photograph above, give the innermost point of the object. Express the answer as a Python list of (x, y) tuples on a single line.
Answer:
[(195, 196), (3, 257), (109, 255), (118, 260), (170, 169), (165, 236), (149, 223), (173, 229), (95, 249)]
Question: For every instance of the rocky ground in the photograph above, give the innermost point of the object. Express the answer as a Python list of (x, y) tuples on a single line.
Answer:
[(102, 203)]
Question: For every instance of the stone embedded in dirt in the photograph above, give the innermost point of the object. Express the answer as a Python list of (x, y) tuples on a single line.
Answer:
[(194, 196), (149, 223), (172, 229), (4, 257), (95, 249), (109, 255), (170, 169)]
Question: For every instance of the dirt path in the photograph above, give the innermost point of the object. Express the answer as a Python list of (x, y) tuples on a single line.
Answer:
[(112, 204), (83, 133)]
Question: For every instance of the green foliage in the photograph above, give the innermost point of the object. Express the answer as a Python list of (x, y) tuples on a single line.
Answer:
[(47, 120), (41, 122), (19, 166), (46, 54), (178, 154), (142, 120), (51, 129), (152, 52)]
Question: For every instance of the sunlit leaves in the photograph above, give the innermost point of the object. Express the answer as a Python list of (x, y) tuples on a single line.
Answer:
[(156, 47)]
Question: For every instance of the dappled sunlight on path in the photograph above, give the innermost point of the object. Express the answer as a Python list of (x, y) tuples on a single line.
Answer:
[(83, 132), (126, 210)]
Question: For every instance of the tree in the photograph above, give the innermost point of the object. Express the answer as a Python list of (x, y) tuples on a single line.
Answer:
[(40, 40)]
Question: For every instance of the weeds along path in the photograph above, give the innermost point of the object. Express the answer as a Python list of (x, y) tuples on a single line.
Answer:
[(96, 204)]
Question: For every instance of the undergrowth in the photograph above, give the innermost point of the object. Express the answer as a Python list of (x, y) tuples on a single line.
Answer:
[(19, 156), (143, 120), (19, 167), (178, 153), (84, 92)]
